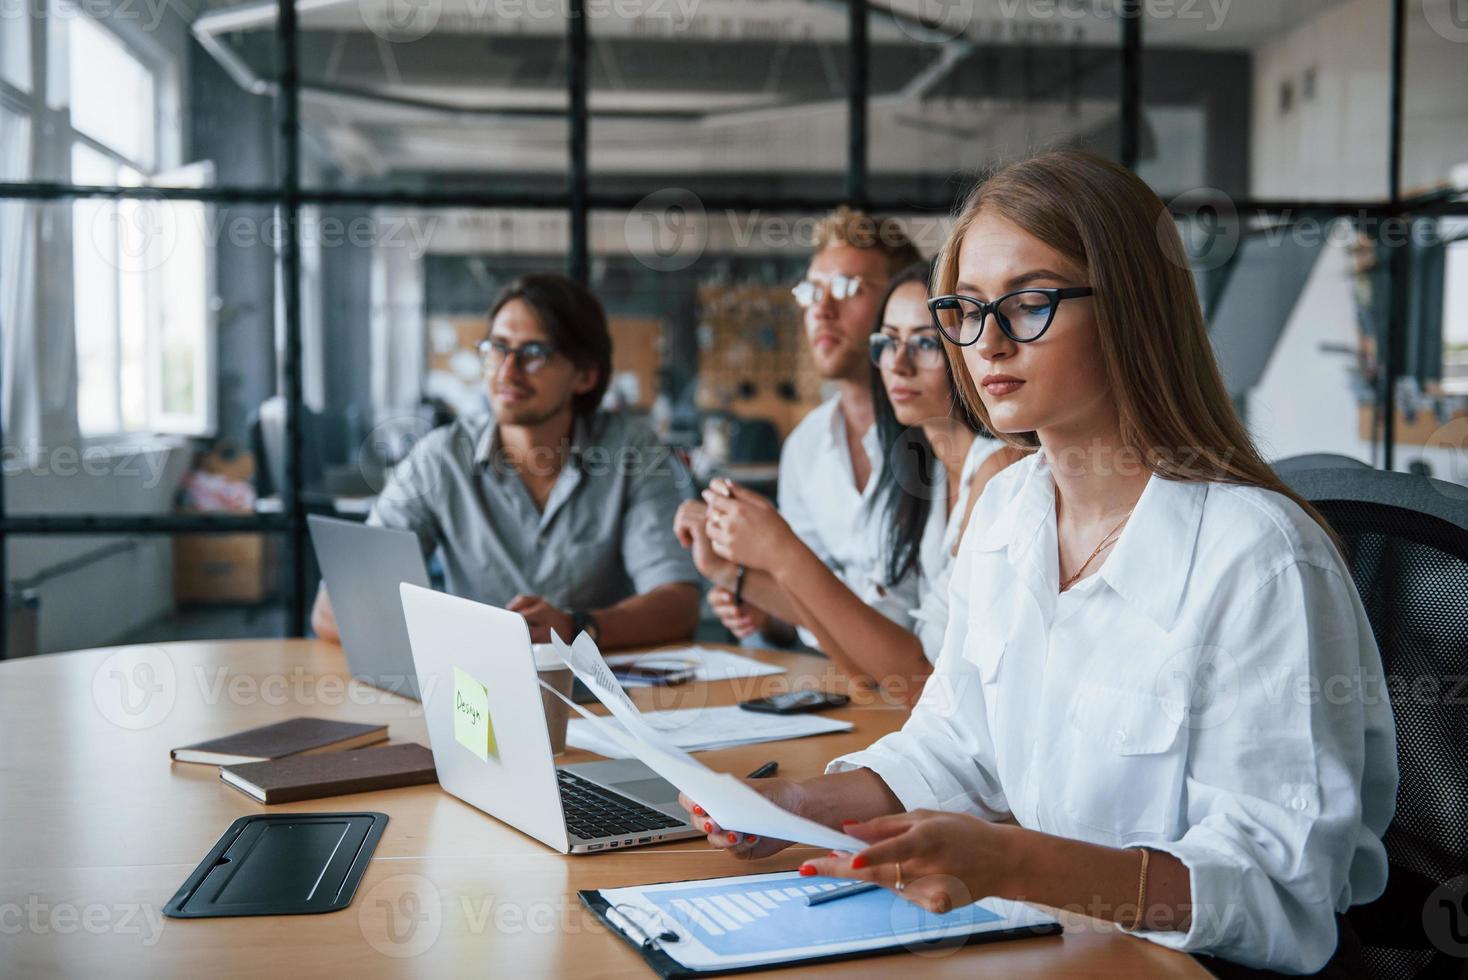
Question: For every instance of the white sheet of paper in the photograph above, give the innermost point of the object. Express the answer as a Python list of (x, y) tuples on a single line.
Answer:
[(732, 803), (700, 729)]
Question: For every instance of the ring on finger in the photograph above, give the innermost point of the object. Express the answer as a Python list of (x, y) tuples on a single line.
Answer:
[(900, 885)]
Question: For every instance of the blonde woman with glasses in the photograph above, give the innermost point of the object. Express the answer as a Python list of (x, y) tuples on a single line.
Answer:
[(1116, 721)]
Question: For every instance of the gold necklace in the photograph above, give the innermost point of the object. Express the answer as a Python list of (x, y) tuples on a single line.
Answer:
[(1110, 538)]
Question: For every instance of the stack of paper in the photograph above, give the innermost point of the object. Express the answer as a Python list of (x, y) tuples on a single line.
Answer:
[(732, 803), (709, 664), (702, 729)]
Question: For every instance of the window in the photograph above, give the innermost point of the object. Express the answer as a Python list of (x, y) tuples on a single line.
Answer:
[(118, 114), (141, 268), (15, 48)]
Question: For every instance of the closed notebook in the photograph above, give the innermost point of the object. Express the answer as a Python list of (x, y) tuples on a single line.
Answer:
[(310, 777), (295, 737)]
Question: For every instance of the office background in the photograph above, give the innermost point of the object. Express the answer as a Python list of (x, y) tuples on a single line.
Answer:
[(245, 248)]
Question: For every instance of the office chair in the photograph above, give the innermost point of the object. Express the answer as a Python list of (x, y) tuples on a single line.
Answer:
[(1406, 542), (1317, 461), (754, 441)]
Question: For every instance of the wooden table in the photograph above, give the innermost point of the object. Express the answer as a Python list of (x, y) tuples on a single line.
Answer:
[(98, 829)]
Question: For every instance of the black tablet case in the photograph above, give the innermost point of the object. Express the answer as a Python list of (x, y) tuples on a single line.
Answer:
[(670, 969), (281, 864)]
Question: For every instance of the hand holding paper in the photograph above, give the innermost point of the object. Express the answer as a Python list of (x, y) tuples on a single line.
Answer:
[(728, 801)]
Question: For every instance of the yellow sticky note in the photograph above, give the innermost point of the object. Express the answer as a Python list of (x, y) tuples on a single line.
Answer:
[(472, 726)]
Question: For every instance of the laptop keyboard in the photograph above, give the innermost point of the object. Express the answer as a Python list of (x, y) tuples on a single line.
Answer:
[(592, 812)]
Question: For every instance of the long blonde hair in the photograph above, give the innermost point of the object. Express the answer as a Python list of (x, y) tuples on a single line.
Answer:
[(1110, 224)]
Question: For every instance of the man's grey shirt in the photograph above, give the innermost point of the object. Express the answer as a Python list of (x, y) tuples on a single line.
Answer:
[(606, 532)]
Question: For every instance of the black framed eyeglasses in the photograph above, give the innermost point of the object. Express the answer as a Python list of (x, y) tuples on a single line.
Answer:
[(924, 352), (529, 357), (1024, 315)]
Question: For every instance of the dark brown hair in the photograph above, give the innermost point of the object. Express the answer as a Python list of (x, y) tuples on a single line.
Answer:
[(905, 486), (576, 322)]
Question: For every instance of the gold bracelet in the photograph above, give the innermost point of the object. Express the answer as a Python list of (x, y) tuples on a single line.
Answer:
[(1141, 891)]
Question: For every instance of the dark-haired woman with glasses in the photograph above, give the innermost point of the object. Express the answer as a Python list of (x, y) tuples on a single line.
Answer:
[(936, 461)]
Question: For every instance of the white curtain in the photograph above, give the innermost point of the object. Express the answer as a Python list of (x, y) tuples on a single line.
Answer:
[(20, 396)]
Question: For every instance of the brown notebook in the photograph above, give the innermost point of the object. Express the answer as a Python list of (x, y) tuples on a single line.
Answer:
[(295, 737), (309, 777)]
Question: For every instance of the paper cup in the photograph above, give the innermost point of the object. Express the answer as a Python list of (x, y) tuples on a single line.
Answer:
[(554, 672)]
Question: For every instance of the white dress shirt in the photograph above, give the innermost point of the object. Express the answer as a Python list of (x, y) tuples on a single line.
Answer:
[(1213, 691), (930, 617), (818, 498)]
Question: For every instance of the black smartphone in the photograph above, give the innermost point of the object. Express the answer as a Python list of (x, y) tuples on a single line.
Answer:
[(794, 702), (658, 674)]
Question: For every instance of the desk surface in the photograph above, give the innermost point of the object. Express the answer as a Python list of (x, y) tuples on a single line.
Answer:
[(98, 829)]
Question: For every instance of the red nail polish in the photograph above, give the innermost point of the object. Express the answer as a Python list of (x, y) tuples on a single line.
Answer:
[(708, 826), (858, 862), (733, 837), (698, 811), (753, 839), (848, 823), (807, 870), (835, 854)]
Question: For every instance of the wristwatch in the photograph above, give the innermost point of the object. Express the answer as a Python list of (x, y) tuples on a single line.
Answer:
[(583, 620)]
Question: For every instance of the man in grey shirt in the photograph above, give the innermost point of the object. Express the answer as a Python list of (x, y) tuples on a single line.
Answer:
[(550, 507)]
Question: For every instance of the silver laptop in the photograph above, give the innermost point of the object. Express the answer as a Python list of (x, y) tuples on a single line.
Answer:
[(491, 746), (363, 567)]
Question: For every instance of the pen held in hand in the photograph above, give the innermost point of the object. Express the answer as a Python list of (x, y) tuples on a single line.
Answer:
[(845, 891)]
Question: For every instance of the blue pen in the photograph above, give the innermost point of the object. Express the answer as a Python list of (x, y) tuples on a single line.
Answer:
[(845, 891)]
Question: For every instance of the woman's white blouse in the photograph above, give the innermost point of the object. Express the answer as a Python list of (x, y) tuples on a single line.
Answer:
[(1213, 691), (930, 616)]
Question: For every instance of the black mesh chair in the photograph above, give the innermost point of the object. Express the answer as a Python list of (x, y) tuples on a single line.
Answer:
[(1317, 461), (1406, 541)]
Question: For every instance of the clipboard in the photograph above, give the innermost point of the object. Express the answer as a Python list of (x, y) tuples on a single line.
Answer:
[(652, 935)]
